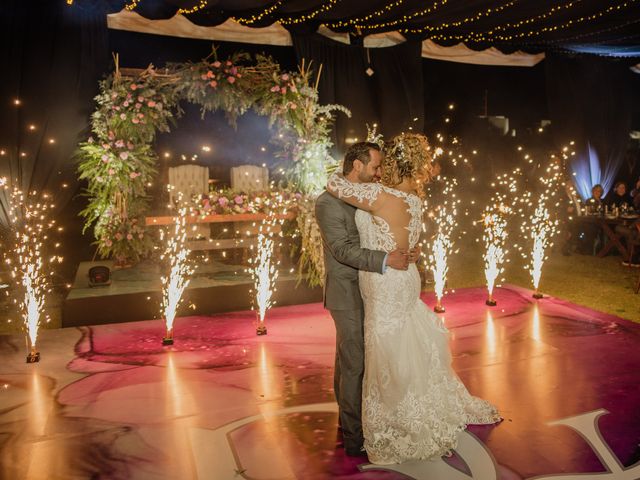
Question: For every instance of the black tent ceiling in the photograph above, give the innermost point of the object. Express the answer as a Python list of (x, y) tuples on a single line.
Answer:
[(507, 24)]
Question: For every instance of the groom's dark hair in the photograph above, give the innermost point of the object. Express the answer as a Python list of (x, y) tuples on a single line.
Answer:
[(358, 151)]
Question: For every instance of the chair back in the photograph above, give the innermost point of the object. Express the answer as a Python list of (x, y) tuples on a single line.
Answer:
[(249, 178), (189, 180)]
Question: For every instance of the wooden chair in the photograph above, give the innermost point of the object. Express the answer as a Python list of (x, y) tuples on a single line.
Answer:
[(190, 180), (249, 178)]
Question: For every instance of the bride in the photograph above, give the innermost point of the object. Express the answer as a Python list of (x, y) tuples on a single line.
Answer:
[(413, 403)]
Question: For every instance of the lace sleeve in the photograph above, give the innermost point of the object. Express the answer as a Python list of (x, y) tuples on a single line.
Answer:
[(361, 195)]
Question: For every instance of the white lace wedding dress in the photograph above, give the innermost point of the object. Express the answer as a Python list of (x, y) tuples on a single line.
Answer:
[(413, 403)]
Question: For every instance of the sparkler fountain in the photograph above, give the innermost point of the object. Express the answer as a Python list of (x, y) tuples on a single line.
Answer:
[(264, 271), (542, 227), (442, 245), (175, 283), (495, 234), (29, 225)]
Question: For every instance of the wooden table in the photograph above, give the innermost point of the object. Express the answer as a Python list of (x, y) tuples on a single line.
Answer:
[(240, 217), (606, 224), (242, 241)]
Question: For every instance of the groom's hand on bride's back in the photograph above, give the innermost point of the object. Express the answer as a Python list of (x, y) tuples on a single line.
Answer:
[(398, 259), (414, 255)]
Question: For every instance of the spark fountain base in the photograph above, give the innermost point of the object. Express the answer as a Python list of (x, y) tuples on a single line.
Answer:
[(537, 295), (261, 330), (33, 357), (167, 341), (439, 309), (491, 302)]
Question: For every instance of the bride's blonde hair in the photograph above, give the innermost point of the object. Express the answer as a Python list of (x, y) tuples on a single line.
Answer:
[(408, 155)]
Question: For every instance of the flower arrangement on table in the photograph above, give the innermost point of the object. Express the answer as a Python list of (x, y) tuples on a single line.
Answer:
[(230, 202)]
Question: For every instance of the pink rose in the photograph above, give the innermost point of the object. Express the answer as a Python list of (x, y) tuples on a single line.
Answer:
[(238, 199), (108, 242), (285, 77), (293, 106), (275, 88), (231, 79), (129, 236), (120, 143), (130, 145), (213, 84), (134, 175), (209, 74), (239, 75), (125, 104), (234, 71), (135, 120), (124, 155), (118, 236), (111, 135), (229, 63), (140, 235), (216, 64), (283, 90), (151, 104), (138, 105), (141, 99), (203, 77), (141, 115), (133, 86), (123, 116), (106, 146), (105, 158), (223, 201), (111, 171)]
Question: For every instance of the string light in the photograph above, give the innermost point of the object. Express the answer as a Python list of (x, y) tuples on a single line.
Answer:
[(591, 33), (471, 19), (366, 18), (195, 8), (309, 16), (259, 16), (528, 21), (487, 36), (132, 5), (405, 18)]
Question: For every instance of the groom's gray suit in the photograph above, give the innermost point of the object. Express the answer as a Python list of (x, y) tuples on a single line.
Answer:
[(343, 257)]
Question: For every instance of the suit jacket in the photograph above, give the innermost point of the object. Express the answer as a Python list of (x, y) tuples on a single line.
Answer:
[(343, 256)]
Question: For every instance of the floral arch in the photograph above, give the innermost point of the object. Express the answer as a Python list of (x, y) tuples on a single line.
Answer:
[(118, 161)]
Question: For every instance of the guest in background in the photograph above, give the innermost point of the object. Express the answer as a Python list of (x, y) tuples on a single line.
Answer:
[(596, 196), (636, 190), (635, 196), (590, 235), (618, 197), (630, 234)]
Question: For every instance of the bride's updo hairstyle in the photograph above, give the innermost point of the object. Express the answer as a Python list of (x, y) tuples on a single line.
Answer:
[(408, 155)]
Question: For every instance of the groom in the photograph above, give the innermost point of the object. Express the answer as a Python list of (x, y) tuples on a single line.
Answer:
[(343, 257)]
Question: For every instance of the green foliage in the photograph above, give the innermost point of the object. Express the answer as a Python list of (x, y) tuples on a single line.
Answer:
[(118, 161)]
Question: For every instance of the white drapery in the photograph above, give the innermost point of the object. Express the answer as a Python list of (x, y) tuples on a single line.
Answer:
[(276, 34)]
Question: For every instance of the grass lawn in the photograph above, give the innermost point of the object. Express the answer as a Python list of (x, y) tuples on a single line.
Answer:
[(599, 283)]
